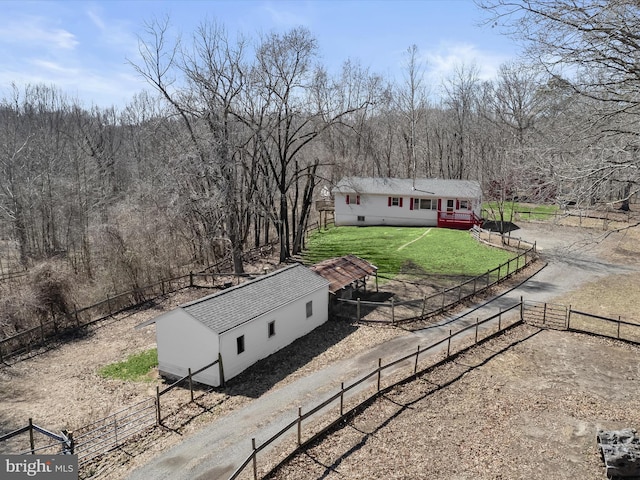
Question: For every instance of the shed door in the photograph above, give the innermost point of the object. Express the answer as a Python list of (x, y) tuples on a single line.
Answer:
[(449, 206)]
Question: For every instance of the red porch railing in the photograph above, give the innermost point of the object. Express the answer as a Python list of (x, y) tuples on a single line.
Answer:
[(458, 220)]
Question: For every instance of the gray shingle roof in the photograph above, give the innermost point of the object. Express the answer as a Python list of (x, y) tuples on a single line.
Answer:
[(405, 187), (237, 305)]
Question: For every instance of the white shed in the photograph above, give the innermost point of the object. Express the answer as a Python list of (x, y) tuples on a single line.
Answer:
[(407, 202), (242, 324)]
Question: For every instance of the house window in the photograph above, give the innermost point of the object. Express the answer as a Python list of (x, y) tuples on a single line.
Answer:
[(395, 201), (425, 204), (309, 309), (353, 199), (271, 328), (465, 205), (240, 344), (361, 218)]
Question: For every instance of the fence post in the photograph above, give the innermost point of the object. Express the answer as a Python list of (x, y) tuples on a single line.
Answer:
[(299, 426), (379, 371), (341, 399), (477, 320), (191, 279), (569, 319), (190, 384), (521, 309), (449, 345), (500, 319), (255, 461), (158, 417), (115, 430), (544, 314), (31, 441), (358, 310), (415, 366), (424, 307)]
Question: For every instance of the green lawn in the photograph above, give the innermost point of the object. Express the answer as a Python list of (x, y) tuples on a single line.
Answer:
[(534, 212), (135, 368), (433, 250)]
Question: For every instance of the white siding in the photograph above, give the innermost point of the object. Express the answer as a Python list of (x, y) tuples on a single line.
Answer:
[(291, 323), (185, 343), (376, 211)]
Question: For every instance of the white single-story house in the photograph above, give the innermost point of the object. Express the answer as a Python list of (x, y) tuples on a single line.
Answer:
[(242, 324), (407, 202)]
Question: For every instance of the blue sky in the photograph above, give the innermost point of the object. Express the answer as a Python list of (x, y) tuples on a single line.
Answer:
[(82, 47)]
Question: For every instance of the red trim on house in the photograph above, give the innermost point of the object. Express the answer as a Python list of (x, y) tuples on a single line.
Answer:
[(400, 202), (347, 199), (389, 204), (411, 203), (357, 199)]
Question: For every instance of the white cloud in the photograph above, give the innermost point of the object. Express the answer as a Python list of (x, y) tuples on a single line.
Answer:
[(441, 63), (33, 31)]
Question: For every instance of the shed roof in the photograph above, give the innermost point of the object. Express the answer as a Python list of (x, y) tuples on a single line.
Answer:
[(343, 271), (229, 308), (428, 187)]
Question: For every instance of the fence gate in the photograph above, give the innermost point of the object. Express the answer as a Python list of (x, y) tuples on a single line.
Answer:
[(545, 315)]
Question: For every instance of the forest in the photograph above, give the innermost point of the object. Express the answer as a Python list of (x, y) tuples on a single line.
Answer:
[(238, 136)]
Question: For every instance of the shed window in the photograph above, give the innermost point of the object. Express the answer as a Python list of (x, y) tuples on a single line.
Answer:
[(309, 309), (353, 199), (465, 205), (240, 344), (271, 328), (395, 201), (361, 218)]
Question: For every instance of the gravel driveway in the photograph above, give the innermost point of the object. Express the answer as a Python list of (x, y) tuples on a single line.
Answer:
[(216, 450)]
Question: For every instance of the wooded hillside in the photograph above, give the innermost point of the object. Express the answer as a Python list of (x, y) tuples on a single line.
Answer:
[(240, 135)]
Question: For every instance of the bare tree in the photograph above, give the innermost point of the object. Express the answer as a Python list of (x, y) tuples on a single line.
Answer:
[(592, 46)]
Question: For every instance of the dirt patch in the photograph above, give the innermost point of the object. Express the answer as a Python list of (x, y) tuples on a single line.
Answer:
[(525, 405)]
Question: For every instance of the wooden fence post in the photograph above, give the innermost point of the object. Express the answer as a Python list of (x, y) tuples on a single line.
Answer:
[(521, 309), (449, 345), (415, 366), (358, 310), (191, 279), (31, 441), (115, 431), (341, 399), (500, 319), (379, 372), (190, 384), (299, 426), (477, 320), (569, 319), (158, 417), (255, 461)]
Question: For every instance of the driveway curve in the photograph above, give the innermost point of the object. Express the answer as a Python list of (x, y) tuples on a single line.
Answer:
[(220, 447)]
